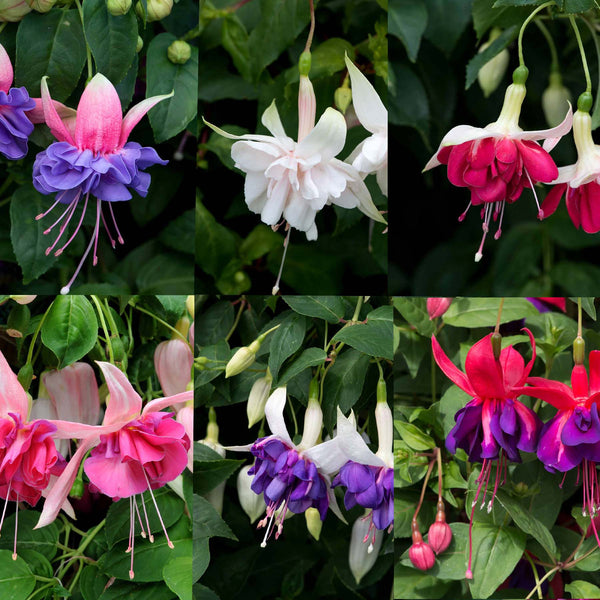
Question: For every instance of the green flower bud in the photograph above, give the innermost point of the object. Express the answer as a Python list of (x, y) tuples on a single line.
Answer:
[(313, 522), (41, 5), (25, 375), (140, 44), (242, 359), (343, 96), (189, 305), (157, 9), (13, 11), (555, 100), (179, 52), (304, 63), (118, 7), (259, 394), (578, 350), (491, 74), (585, 101)]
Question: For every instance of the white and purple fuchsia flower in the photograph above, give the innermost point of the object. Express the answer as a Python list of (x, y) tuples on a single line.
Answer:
[(292, 478), (91, 157), (15, 127)]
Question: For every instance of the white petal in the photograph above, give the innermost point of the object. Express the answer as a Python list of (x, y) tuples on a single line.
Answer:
[(270, 119), (551, 136), (246, 136), (352, 444), (328, 456), (274, 414), (369, 108), (255, 156), (459, 135), (327, 138), (382, 179), (276, 201), (299, 214), (255, 187), (312, 233), (245, 448), (375, 151)]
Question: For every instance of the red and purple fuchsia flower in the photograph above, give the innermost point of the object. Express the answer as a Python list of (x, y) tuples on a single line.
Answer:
[(92, 157), (494, 426)]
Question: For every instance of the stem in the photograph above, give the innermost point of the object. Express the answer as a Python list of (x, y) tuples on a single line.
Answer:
[(586, 70), (359, 303), (311, 31), (597, 46), (164, 323), (535, 574), (522, 31), (3, 26), (237, 319), (538, 585), (35, 335), (439, 465), (104, 328), (429, 469), (87, 47), (497, 329), (554, 65)]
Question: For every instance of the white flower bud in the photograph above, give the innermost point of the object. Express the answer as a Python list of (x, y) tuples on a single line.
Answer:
[(259, 394), (253, 504), (242, 359), (491, 74), (555, 100), (385, 431), (313, 424), (363, 554), (313, 522)]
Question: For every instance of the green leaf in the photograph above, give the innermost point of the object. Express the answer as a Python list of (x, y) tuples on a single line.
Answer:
[(311, 357), (483, 312), (124, 590), (207, 522), (330, 308), (413, 348), (451, 402), (27, 234), (285, 340), (166, 272), (212, 326), (582, 589), (328, 57), (407, 20), (414, 437), (373, 337), (587, 304), (171, 116), (210, 473), (177, 574), (70, 328), (162, 190), (412, 584), (447, 21), (577, 6), (111, 39), (414, 310), (51, 44), (16, 579), (343, 384), (408, 102), (527, 523), (234, 39), (260, 241), (42, 540), (496, 551), (91, 583), (481, 58), (576, 278), (180, 233)]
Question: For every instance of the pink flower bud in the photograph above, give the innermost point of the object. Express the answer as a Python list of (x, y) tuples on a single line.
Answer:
[(436, 307), (421, 556), (307, 106), (439, 536), (173, 363)]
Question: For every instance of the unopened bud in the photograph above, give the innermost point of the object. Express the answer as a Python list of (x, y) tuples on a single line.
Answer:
[(41, 6), (156, 9), (313, 522), (253, 504), (13, 11), (242, 359), (25, 375), (259, 394), (343, 96), (313, 424), (118, 7), (139, 45), (189, 305), (578, 350), (23, 299), (436, 307), (77, 488), (179, 52), (307, 107), (385, 424), (421, 556), (440, 534), (555, 100), (492, 72), (365, 543), (183, 326), (304, 63)]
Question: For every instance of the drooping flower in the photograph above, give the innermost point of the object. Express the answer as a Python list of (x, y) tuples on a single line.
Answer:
[(580, 182), (295, 180), (15, 127), (134, 449), (493, 426), (292, 478), (91, 157), (371, 155), (498, 161)]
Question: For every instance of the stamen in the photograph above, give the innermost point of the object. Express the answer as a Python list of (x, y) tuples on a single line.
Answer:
[(69, 211), (461, 218), (137, 510), (469, 573), (120, 237), (112, 242), (14, 555), (58, 199), (5, 504), (540, 214), (97, 232), (499, 230), (285, 247), (131, 534), (150, 536), (169, 542), (60, 250)]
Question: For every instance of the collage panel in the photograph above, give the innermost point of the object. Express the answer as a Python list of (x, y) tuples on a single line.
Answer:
[(496, 444), (497, 109), (96, 428), (293, 494), (293, 147), (97, 169)]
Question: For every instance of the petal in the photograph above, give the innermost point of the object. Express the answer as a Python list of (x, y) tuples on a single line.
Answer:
[(552, 199), (553, 392), (589, 207), (58, 128), (450, 369), (352, 444), (124, 403), (356, 191), (369, 108), (551, 136), (459, 135), (12, 395), (327, 138), (271, 120), (537, 162), (594, 360), (160, 403), (274, 413), (6, 70), (135, 114), (99, 116), (173, 364), (484, 371)]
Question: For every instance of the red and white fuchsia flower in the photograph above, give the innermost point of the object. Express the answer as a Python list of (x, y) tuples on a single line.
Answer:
[(498, 161)]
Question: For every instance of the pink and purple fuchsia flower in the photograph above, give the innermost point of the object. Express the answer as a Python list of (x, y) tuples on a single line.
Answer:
[(91, 157), (15, 127)]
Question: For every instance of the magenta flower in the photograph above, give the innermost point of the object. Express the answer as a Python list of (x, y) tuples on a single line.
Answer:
[(134, 449), (15, 127), (91, 157), (496, 162)]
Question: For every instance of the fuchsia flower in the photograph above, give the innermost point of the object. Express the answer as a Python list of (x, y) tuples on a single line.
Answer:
[(436, 307), (91, 157), (173, 364), (134, 449), (15, 127), (496, 162), (580, 182)]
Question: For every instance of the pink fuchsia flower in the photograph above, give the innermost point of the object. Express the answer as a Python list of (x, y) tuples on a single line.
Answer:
[(436, 307), (580, 182), (496, 162), (15, 127), (173, 364), (134, 449), (295, 180), (91, 157)]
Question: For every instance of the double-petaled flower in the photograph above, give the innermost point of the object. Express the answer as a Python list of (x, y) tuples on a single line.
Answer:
[(92, 157), (498, 161)]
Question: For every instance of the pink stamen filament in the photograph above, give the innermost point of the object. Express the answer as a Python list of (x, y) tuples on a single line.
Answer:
[(540, 211), (70, 211), (5, 504), (169, 542), (150, 536), (58, 199), (119, 236), (461, 218), (285, 247), (112, 241), (131, 534), (14, 556), (137, 510), (60, 250)]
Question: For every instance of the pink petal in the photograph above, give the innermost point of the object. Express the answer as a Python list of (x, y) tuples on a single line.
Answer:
[(513, 367), (553, 392), (476, 177), (458, 163), (537, 162), (594, 359), (135, 114), (449, 368), (484, 371), (6, 70), (552, 199), (124, 403), (495, 191), (579, 381), (589, 207), (12, 395), (58, 128), (160, 403), (99, 116), (506, 150), (115, 478), (482, 153), (186, 417), (173, 363), (551, 136)]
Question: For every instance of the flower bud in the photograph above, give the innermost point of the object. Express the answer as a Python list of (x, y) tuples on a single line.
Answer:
[(578, 350), (259, 394), (439, 535), (157, 9), (385, 425), (307, 107), (13, 11), (242, 359), (25, 375), (343, 96), (41, 6), (364, 548), (492, 72), (118, 7), (179, 52), (555, 100), (496, 345), (215, 496), (23, 299), (313, 522), (436, 307), (313, 424), (253, 504), (421, 556), (182, 326), (139, 45), (189, 305)]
